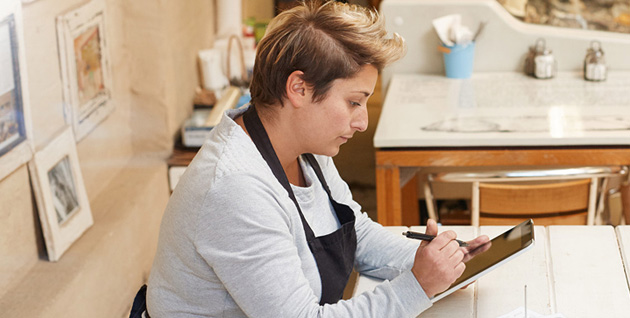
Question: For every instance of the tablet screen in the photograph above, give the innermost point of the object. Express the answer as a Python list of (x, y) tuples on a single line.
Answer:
[(504, 247)]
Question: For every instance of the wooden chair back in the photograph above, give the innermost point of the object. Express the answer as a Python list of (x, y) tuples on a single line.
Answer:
[(549, 196), (548, 204)]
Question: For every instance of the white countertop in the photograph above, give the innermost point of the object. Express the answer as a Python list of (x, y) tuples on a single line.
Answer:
[(504, 109)]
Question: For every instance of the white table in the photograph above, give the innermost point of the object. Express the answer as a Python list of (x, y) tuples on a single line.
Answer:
[(495, 119), (574, 270), (623, 235)]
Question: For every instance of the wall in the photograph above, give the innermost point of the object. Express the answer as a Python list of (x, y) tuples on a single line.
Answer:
[(262, 10), (153, 47), (503, 45)]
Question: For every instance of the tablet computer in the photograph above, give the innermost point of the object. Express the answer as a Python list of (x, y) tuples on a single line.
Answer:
[(504, 247)]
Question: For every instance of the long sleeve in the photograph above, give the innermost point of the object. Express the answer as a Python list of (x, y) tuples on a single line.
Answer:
[(252, 249)]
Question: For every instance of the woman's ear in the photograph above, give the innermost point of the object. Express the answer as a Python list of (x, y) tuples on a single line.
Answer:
[(296, 89)]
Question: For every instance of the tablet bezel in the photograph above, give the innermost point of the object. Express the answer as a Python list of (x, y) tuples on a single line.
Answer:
[(488, 269)]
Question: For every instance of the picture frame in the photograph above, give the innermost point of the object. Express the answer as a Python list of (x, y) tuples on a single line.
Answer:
[(85, 67), (64, 209), (16, 146)]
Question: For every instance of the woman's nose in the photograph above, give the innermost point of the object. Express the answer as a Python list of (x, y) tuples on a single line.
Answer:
[(360, 122)]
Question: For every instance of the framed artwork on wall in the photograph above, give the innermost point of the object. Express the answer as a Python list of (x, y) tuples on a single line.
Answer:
[(15, 125), (64, 209), (85, 67)]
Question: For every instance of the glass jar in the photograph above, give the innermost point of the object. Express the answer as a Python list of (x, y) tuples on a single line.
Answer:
[(540, 62), (594, 63), (545, 65)]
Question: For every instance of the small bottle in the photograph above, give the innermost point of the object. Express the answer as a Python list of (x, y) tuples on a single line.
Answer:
[(594, 63), (545, 65), (540, 62)]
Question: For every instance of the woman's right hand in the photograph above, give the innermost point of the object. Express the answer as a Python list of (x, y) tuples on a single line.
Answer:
[(438, 263)]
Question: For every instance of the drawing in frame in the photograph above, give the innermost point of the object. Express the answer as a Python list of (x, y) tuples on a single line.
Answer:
[(15, 126), (64, 209), (85, 67)]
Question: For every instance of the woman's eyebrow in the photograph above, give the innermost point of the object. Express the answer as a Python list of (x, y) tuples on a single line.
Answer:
[(363, 92)]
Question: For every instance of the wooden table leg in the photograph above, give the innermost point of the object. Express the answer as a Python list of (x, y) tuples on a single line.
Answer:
[(625, 201), (388, 196), (409, 201)]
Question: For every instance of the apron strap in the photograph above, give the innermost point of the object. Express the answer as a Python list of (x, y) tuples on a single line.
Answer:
[(259, 135), (318, 171)]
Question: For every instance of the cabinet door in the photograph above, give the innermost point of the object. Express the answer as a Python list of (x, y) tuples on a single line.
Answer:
[(282, 5)]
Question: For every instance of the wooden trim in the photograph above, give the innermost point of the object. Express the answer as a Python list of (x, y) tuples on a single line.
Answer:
[(502, 157), (182, 157)]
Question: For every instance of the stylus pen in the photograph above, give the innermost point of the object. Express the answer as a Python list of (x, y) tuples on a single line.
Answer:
[(427, 237)]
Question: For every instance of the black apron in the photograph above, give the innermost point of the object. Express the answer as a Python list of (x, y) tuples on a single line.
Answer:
[(334, 253)]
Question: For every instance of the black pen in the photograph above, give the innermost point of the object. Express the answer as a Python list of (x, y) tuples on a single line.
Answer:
[(427, 237)]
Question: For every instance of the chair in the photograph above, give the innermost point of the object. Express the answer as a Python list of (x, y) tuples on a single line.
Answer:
[(550, 196)]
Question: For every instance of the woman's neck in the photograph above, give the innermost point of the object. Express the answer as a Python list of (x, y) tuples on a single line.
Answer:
[(283, 145)]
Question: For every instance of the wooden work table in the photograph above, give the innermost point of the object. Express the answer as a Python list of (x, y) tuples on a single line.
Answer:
[(494, 119), (578, 271)]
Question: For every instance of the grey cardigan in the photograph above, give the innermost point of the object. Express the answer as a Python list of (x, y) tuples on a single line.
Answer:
[(231, 243)]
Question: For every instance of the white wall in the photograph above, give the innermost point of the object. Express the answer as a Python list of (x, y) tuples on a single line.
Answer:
[(153, 47), (503, 44)]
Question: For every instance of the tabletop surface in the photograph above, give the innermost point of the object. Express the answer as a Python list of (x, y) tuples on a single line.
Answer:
[(579, 271), (504, 109)]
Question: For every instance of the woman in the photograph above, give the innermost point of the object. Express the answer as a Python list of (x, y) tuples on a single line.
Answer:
[(261, 224)]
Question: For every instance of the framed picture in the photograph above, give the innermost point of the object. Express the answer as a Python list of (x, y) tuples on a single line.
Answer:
[(64, 210), (15, 130), (85, 67)]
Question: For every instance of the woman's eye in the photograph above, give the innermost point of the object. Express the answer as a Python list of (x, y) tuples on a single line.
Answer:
[(355, 103)]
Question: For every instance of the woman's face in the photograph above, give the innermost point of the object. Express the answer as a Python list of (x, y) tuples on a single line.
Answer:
[(328, 124)]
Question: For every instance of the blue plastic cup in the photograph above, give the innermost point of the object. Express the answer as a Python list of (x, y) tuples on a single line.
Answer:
[(458, 60)]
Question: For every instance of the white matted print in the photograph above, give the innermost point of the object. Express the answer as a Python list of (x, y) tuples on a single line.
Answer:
[(85, 67), (15, 125), (64, 209)]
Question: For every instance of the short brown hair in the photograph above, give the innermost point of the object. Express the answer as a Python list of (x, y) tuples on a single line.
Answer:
[(326, 42)]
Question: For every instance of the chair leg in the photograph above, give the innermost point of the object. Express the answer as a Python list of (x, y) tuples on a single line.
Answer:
[(625, 202), (624, 190), (592, 200), (599, 213), (475, 204), (430, 201)]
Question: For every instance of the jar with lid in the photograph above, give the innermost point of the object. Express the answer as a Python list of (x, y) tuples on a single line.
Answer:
[(540, 62), (594, 63)]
